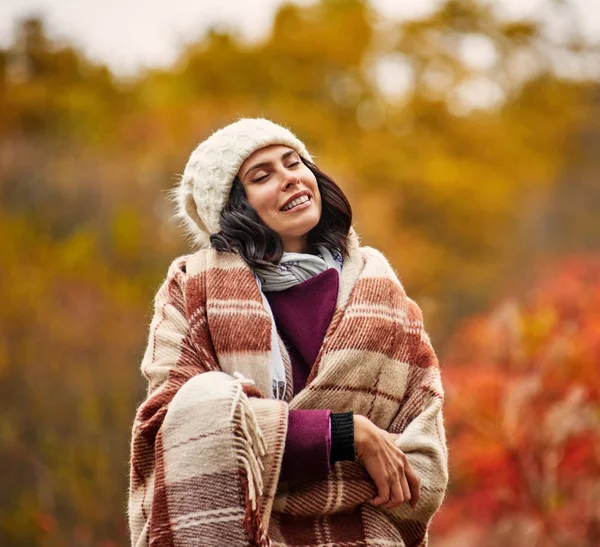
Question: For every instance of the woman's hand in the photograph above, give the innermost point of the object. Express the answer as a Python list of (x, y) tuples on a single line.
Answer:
[(394, 477)]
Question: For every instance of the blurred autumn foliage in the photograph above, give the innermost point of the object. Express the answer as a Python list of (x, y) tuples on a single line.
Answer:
[(523, 417), (468, 146)]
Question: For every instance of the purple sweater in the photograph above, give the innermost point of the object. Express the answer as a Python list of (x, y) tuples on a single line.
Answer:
[(302, 315)]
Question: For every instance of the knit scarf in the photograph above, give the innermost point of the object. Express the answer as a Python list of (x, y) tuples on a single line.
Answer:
[(292, 269), (208, 440)]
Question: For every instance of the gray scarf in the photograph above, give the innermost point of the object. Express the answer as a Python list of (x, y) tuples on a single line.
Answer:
[(293, 269)]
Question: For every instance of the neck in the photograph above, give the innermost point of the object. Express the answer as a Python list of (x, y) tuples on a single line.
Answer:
[(296, 245)]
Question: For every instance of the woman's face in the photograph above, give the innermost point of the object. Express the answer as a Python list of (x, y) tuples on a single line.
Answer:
[(284, 193)]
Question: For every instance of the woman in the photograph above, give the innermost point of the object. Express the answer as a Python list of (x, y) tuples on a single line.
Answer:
[(294, 397)]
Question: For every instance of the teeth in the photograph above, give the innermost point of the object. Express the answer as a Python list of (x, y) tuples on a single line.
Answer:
[(298, 201)]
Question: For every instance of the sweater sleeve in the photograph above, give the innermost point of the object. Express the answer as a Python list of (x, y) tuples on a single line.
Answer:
[(316, 439), (342, 437), (307, 445)]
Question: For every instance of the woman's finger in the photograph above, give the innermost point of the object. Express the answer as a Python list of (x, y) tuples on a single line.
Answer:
[(410, 481), (396, 493), (383, 488), (405, 487), (414, 483), (404, 464)]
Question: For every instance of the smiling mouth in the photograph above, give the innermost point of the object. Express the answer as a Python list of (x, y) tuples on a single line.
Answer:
[(296, 203)]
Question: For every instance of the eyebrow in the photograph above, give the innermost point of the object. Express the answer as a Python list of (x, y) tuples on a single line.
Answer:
[(266, 163)]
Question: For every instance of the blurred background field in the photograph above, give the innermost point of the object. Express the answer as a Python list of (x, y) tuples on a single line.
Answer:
[(468, 142)]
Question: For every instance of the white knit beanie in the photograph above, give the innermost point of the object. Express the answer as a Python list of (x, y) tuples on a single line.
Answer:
[(209, 173)]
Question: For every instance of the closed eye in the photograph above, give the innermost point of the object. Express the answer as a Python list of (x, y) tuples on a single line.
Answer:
[(290, 166)]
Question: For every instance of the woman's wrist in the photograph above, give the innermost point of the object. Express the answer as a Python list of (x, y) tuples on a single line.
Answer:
[(361, 434)]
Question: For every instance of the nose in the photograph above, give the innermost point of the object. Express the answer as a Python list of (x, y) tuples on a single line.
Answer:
[(289, 180)]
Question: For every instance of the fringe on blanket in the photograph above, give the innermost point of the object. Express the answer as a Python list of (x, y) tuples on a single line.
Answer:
[(250, 448)]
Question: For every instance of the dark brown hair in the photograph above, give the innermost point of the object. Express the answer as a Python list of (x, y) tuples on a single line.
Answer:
[(243, 231)]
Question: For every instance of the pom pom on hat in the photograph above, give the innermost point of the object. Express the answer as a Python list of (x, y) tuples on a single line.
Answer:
[(208, 176)]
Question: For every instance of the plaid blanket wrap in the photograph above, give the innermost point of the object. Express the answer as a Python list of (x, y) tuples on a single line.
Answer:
[(208, 440)]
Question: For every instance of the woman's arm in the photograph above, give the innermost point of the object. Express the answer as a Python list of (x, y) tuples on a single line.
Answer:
[(418, 430), (169, 361), (316, 439), (198, 425), (307, 445), (394, 477)]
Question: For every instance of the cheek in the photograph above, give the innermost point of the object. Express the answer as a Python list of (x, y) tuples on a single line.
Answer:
[(263, 199), (318, 194), (312, 183)]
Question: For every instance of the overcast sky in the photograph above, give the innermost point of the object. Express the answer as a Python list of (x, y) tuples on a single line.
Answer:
[(129, 34)]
